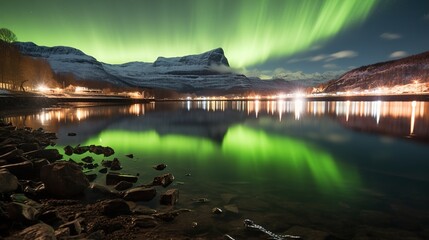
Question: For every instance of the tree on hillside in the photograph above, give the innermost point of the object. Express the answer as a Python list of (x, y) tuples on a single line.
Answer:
[(7, 35)]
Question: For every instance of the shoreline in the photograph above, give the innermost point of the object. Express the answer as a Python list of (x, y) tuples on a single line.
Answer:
[(29, 100)]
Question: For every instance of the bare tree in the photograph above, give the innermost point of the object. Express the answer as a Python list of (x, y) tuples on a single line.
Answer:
[(7, 35)]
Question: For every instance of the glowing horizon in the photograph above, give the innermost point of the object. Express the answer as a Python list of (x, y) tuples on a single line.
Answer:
[(250, 32)]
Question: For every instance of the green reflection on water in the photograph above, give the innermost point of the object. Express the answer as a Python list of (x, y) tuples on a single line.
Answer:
[(288, 156), (244, 152)]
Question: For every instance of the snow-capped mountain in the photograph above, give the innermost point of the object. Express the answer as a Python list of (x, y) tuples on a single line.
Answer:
[(405, 71), (193, 73)]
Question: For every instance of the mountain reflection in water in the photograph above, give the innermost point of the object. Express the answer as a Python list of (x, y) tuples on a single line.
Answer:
[(401, 119)]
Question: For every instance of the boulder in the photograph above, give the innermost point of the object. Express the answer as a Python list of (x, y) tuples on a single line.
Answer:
[(113, 178), (140, 194), (170, 197), (163, 180), (103, 170), (115, 207), (63, 179), (8, 181), (38, 231)]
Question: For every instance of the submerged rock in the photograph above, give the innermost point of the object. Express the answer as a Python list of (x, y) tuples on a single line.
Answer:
[(80, 149), (63, 179), (140, 194), (116, 165), (123, 185), (163, 180), (160, 167), (170, 197), (113, 178)]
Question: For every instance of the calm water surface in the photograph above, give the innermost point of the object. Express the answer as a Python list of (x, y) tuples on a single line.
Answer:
[(355, 170)]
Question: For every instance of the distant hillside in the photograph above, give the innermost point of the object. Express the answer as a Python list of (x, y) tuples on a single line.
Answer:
[(409, 70)]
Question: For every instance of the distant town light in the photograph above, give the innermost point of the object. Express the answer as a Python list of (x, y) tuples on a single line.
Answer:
[(42, 88)]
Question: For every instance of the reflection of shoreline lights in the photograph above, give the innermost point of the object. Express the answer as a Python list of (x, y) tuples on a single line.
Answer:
[(298, 108), (413, 116), (375, 109)]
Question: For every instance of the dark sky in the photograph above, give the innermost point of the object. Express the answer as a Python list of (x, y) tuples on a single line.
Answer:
[(257, 35)]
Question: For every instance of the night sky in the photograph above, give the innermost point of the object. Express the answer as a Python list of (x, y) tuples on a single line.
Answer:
[(257, 35)]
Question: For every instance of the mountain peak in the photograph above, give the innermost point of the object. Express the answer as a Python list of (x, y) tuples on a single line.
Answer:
[(212, 57)]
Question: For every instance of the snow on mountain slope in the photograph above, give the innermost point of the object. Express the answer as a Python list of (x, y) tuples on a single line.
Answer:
[(70, 60), (193, 73), (408, 70)]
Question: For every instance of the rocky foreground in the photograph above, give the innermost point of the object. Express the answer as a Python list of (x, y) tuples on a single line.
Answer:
[(45, 197)]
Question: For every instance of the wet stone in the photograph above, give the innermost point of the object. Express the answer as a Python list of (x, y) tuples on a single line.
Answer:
[(88, 159), (130, 155), (68, 150), (160, 167), (49, 154), (163, 180), (170, 197), (103, 170), (96, 149), (115, 207), (113, 178), (216, 210), (63, 179), (106, 163), (71, 134), (108, 151), (116, 165), (91, 176), (140, 194), (123, 185), (144, 221), (80, 149)]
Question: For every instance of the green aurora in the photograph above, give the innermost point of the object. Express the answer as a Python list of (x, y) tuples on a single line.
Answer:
[(251, 151), (250, 31)]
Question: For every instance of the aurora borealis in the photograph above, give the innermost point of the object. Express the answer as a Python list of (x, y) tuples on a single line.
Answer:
[(251, 32), (260, 37)]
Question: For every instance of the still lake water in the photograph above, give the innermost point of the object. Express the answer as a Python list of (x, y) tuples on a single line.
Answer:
[(355, 170)]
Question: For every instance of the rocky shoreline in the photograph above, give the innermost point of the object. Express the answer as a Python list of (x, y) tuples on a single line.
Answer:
[(43, 196)]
